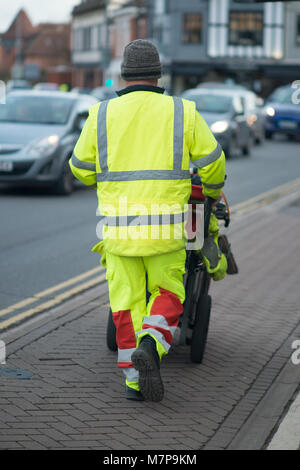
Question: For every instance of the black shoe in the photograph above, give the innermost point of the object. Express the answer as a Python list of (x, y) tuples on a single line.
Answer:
[(146, 360), (132, 394)]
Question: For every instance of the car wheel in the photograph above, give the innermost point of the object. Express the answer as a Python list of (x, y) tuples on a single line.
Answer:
[(268, 134), (248, 148), (229, 149), (262, 137), (65, 184)]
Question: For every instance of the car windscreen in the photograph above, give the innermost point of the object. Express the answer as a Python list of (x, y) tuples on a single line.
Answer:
[(36, 109), (211, 103), (282, 96)]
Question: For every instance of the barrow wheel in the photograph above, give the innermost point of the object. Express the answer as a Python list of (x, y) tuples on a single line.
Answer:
[(200, 330), (111, 333)]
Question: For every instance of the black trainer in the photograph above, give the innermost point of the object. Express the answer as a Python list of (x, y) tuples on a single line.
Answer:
[(146, 360), (132, 394)]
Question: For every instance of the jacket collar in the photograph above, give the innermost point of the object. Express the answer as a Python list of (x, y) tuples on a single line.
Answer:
[(141, 87)]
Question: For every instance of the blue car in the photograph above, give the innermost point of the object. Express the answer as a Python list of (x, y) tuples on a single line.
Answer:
[(282, 111)]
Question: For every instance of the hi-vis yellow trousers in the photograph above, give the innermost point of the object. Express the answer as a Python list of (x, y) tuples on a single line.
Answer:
[(132, 316)]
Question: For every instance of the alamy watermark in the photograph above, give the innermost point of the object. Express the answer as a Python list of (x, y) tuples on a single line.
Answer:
[(295, 358), (152, 222), (2, 92), (296, 93), (2, 353)]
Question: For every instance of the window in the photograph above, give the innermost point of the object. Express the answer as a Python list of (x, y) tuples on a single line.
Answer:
[(100, 36), (298, 30), (87, 39), (192, 28), (245, 28), (77, 39)]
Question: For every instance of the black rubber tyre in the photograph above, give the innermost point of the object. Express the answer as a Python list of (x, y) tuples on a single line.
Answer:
[(247, 150), (268, 134), (111, 333), (200, 329), (65, 185)]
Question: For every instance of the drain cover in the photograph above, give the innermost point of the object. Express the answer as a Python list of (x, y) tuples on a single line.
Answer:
[(15, 373)]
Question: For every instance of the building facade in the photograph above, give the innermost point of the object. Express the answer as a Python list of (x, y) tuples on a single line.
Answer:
[(35, 53), (127, 24), (255, 44), (13, 43), (88, 43), (100, 31)]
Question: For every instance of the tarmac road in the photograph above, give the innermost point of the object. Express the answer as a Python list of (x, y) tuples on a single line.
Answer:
[(47, 239)]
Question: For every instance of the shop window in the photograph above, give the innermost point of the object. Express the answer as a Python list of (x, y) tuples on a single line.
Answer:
[(245, 28), (192, 28)]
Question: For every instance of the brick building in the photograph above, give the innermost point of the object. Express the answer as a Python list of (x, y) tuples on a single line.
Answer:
[(14, 41), (50, 51), (43, 49), (100, 30)]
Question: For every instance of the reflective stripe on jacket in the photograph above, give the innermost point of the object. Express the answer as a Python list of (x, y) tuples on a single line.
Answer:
[(137, 149)]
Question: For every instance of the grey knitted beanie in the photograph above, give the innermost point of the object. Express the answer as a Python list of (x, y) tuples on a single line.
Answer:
[(140, 61)]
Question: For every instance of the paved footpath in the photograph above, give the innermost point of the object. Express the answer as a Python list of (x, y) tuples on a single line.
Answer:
[(235, 399)]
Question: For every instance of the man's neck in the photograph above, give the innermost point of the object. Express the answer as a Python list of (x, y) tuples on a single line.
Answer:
[(142, 82)]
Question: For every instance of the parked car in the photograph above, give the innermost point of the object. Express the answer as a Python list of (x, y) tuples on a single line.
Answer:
[(17, 85), (221, 85), (46, 86), (253, 106), (84, 91), (38, 132), (224, 111), (283, 112), (104, 93)]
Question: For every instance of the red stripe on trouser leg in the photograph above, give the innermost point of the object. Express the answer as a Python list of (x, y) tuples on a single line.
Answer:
[(168, 305), (125, 332), (170, 308), (125, 364), (125, 335)]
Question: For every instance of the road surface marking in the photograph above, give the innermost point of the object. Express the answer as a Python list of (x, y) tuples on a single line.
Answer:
[(44, 293), (265, 198), (53, 302)]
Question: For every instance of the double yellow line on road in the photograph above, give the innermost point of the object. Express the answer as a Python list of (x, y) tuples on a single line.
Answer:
[(238, 209), (53, 302), (265, 198)]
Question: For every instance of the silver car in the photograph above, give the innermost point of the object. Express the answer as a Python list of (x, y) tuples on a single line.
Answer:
[(225, 113), (38, 132)]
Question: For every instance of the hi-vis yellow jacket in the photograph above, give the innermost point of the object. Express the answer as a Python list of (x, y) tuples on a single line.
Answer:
[(137, 149)]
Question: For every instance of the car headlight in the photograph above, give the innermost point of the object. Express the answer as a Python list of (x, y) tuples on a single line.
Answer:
[(270, 111), (42, 148), (219, 126)]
